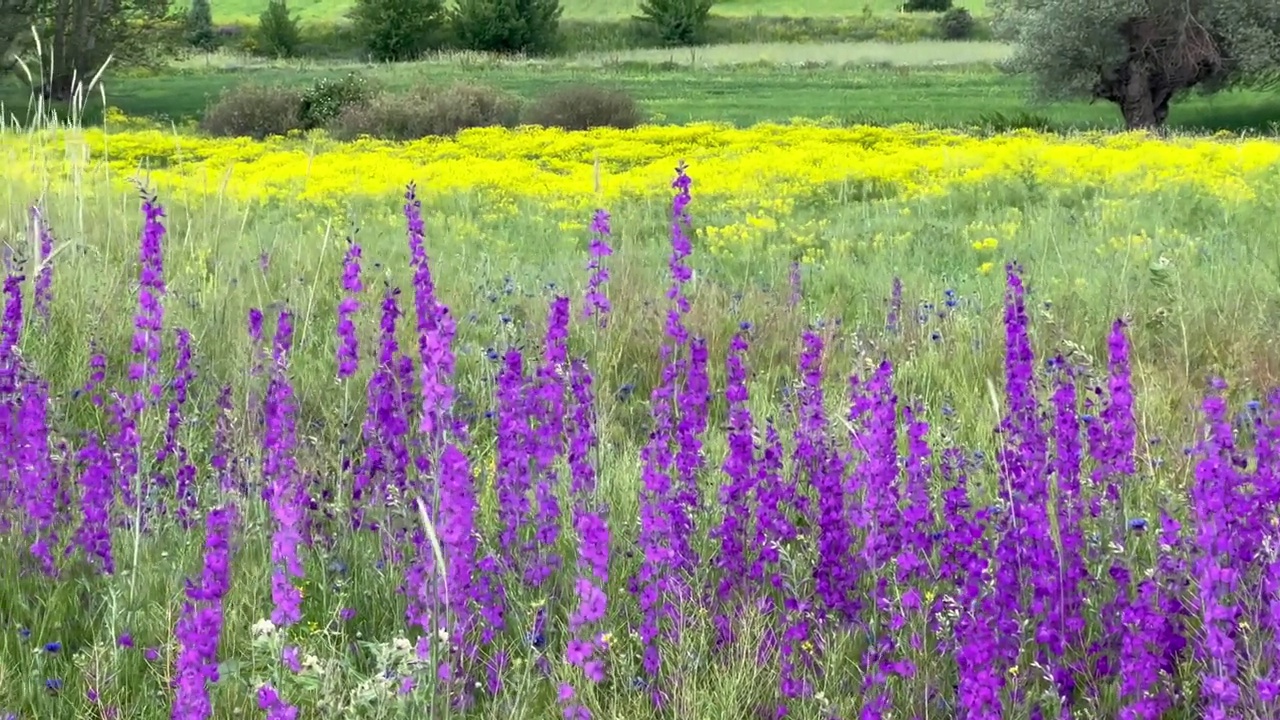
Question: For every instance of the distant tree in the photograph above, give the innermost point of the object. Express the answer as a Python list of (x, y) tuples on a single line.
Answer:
[(77, 37), (278, 34), (507, 26), (394, 30), (678, 22), (200, 33), (1138, 54)]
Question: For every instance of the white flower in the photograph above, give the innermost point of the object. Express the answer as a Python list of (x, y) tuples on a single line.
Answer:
[(263, 628)]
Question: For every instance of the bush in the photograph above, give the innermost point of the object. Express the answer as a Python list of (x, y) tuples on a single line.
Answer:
[(508, 26), (678, 22), (199, 27), (254, 111), (426, 112), (396, 30), (328, 98), (278, 34), (956, 24), (927, 5), (581, 107)]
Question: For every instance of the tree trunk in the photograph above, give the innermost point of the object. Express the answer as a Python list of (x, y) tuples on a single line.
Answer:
[(1137, 103)]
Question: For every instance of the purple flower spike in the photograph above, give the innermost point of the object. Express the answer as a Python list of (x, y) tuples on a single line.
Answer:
[(596, 301)]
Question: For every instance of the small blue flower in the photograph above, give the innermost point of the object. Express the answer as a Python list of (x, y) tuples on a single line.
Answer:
[(505, 319), (53, 685), (491, 354), (537, 640), (744, 326), (1253, 405), (1138, 524), (24, 633), (625, 391), (53, 647), (935, 336)]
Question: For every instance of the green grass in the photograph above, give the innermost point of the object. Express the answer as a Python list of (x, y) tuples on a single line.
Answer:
[(743, 94), (1212, 312), (231, 11)]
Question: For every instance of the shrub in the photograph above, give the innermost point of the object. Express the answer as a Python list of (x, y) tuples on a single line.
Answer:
[(508, 26), (927, 5), (199, 26), (426, 112), (580, 107), (278, 34), (396, 30), (678, 22), (328, 98), (254, 111), (956, 24)]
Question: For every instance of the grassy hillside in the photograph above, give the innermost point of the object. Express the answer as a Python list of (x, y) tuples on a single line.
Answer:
[(227, 11)]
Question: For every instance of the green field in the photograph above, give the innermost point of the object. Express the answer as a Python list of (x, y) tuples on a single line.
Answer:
[(227, 11), (895, 89)]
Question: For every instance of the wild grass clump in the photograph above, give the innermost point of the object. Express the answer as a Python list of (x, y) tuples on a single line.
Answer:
[(582, 107), (255, 111), (428, 111)]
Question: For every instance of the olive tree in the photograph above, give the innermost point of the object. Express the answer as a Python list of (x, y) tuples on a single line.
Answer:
[(1138, 54), (78, 37)]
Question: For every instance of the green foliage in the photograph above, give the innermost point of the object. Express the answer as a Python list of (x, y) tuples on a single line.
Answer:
[(123, 33), (427, 111), (581, 107), (396, 30), (326, 99), (508, 26), (1064, 43), (678, 22), (278, 34), (255, 111), (199, 26), (927, 5), (956, 24)]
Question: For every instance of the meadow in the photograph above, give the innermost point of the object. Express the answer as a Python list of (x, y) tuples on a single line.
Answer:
[(333, 10), (951, 85), (695, 421)]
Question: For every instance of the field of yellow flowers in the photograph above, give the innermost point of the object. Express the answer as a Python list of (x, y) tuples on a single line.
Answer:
[(758, 177)]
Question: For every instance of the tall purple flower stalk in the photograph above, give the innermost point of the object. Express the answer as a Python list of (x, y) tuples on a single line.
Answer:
[(548, 409), (457, 528), (739, 467), (512, 462), (1213, 502), (222, 459), (10, 435), (663, 508), (149, 322), (97, 496), (370, 484), (586, 647), (348, 344), (436, 329), (279, 471), (200, 623), (35, 473), (596, 302), (44, 276)]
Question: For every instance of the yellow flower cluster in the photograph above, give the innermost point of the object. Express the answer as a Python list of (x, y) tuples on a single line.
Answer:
[(760, 172)]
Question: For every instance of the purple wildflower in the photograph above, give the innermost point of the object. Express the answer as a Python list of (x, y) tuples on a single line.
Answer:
[(149, 323), (44, 276), (96, 500), (201, 621), (283, 485), (348, 344), (596, 301)]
